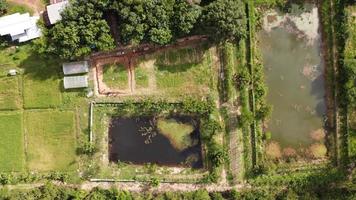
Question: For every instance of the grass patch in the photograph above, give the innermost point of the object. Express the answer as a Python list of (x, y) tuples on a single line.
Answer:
[(141, 77), (177, 133), (42, 87), (18, 8), (51, 145), (115, 76), (11, 142), (178, 71), (9, 93)]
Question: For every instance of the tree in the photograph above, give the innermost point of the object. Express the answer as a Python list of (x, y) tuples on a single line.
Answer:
[(225, 19), (185, 16), (159, 13), (80, 32), (3, 7), (132, 17)]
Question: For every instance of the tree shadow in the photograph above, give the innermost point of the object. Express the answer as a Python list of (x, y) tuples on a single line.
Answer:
[(41, 67)]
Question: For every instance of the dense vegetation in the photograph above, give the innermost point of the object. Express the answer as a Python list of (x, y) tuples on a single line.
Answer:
[(85, 26), (50, 191)]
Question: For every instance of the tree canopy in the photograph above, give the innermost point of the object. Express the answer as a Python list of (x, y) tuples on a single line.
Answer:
[(83, 28), (225, 19), (81, 31)]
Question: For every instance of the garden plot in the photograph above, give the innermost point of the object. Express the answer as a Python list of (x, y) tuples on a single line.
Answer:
[(50, 140), (175, 72), (10, 98), (11, 142), (116, 76)]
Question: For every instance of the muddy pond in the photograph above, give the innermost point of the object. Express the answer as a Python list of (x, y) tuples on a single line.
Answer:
[(291, 53), (172, 141)]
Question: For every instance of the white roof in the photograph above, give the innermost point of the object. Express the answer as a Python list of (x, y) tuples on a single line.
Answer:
[(75, 67), (75, 82), (20, 27), (54, 11)]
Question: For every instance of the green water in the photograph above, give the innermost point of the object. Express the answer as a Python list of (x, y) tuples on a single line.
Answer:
[(297, 98)]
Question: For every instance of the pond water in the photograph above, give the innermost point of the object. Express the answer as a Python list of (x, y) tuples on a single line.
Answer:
[(137, 140), (294, 77)]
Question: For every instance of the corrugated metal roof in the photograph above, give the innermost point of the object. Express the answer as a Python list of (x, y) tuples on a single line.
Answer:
[(71, 82), (75, 67), (54, 11)]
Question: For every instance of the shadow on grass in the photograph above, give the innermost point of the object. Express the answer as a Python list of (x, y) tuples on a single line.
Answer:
[(40, 67)]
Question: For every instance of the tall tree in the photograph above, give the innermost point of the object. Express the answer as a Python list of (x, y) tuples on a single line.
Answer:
[(225, 19), (132, 20), (80, 32), (159, 13), (185, 16)]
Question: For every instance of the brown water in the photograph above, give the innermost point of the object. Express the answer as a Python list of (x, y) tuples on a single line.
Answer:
[(294, 76), (128, 144)]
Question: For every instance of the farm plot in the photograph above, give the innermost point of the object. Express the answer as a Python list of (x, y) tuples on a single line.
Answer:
[(42, 87), (51, 140), (116, 76), (11, 142), (10, 98), (176, 72)]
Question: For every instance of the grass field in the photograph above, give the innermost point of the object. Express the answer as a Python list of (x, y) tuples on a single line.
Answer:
[(14, 8), (51, 145), (182, 71), (42, 86), (141, 77), (116, 76), (10, 98), (11, 142)]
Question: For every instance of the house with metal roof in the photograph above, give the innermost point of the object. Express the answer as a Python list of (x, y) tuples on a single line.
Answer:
[(54, 11), (21, 27), (78, 67)]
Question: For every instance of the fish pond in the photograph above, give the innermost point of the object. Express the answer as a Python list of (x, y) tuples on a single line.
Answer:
[(170, 141), (291, 53)]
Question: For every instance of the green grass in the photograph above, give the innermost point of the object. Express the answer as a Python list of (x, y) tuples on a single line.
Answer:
[(20, 8), (116, 76), (141, 77), (51, 140), (177, 133), (10, 98), (42, 85), (11, 142), (184, 71)]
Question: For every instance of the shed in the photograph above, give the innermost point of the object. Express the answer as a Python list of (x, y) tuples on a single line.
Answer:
[(75, 67), (71, 82), (54, 11)]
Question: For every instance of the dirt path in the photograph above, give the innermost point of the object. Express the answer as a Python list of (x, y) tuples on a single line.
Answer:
[(137, 187), (36, 5)]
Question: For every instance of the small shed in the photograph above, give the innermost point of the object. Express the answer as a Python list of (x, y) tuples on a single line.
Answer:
[(71, 82), (79, 67)]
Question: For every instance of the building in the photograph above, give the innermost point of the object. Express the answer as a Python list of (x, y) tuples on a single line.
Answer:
[(21, 27), (79, 67), (54, 11), (71, 82)]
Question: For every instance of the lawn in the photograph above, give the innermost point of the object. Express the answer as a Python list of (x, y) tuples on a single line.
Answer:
[(20, 8), (42, 86), (10, 98), (50, 145), (115, 76), (141, 77), (11, 142), (182, 71), (177, 133)]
